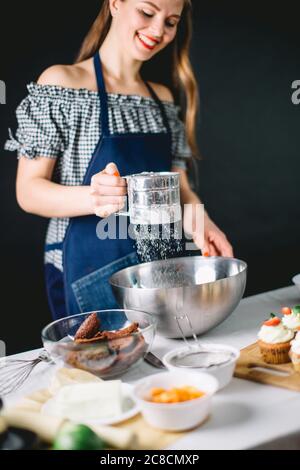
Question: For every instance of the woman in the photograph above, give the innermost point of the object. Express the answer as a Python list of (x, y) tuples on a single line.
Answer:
[(84, 125)]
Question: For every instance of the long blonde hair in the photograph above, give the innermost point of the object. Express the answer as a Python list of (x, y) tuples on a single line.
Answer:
[(171, 67)]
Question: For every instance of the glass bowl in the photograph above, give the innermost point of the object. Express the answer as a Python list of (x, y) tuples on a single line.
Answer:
[(104, 358)]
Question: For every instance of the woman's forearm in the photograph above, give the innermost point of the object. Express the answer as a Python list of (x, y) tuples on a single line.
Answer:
[(194, 212), (189, 197), (47, 199)]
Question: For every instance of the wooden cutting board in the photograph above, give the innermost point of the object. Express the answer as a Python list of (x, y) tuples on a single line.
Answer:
[(144, 437), (249, 362)]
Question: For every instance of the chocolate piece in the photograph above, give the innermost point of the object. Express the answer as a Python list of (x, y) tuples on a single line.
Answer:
[(89, 328), (108, 335), (122, 344), (127, 358), (92, 360), (98, 337), (111, 357), (121, 333)]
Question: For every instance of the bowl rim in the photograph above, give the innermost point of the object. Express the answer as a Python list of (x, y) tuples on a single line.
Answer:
[(141, 331), (167, 357), (114, 284), (187, 403)]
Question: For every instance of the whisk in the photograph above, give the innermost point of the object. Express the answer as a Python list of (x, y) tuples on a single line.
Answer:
[(14, 372)]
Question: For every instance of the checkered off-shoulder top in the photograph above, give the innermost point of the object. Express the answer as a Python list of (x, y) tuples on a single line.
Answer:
[(64, 124)]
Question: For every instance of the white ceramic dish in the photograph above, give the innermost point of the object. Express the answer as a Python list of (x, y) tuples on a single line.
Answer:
[(296, 280), (176, 416), (223, 372), (129, 405)]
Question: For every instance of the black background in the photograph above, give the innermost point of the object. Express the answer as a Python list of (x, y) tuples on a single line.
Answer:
[(246, 58)]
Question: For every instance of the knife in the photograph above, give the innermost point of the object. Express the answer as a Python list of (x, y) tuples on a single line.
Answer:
[(154, 361)]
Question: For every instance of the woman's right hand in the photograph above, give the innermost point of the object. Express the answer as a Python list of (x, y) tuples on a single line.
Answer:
[(108, 191)]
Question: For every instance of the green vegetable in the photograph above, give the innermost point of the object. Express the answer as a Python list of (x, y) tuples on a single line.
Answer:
[(272, 315), (77, 437), (296, 309)]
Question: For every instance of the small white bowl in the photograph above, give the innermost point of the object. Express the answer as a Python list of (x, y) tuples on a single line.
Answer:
[(296, 280), (223, 372), (176, 416)]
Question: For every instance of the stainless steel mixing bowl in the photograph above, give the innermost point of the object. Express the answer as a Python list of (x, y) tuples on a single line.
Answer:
[(205, 289)]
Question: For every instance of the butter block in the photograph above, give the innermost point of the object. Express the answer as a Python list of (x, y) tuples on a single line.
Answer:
[(66, 376), (89, 401)]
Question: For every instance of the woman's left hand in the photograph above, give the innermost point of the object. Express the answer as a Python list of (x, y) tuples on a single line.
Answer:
[(215, 241), (211, 240)]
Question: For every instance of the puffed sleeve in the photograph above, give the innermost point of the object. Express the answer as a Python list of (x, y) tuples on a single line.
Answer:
[(181, 150), (42, 125)]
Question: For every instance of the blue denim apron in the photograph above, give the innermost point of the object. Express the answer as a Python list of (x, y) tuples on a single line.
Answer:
[(88, 261)]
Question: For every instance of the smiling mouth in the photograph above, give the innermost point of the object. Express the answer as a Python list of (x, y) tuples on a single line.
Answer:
[(147, 42)]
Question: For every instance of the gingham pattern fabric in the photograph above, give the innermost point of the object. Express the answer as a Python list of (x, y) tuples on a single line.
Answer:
[(64, 124)]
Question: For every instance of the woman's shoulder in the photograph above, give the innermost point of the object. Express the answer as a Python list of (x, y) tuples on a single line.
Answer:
[(56, 75), (81, 76), (65, 76), (163, 92)]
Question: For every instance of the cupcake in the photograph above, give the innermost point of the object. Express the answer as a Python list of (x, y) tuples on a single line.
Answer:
[(295, 352), (274, 341), (291, 318)]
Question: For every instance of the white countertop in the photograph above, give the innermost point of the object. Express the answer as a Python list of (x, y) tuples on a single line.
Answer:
[(245, 414)]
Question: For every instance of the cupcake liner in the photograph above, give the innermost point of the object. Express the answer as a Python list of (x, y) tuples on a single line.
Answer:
[(275, 353)]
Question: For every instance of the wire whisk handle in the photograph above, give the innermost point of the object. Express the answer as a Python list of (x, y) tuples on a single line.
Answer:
[(14, 372)]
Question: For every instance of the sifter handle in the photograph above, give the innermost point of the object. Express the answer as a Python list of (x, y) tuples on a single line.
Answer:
[(121, 212)]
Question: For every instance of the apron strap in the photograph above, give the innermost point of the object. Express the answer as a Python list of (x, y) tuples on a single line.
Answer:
[(160, 105), (102, 95), (53, 246), (103, 99)]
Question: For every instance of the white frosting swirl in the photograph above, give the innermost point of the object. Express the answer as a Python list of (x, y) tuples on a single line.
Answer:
[(291, 321), (297, 337), (275, 334), (295, 344)]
